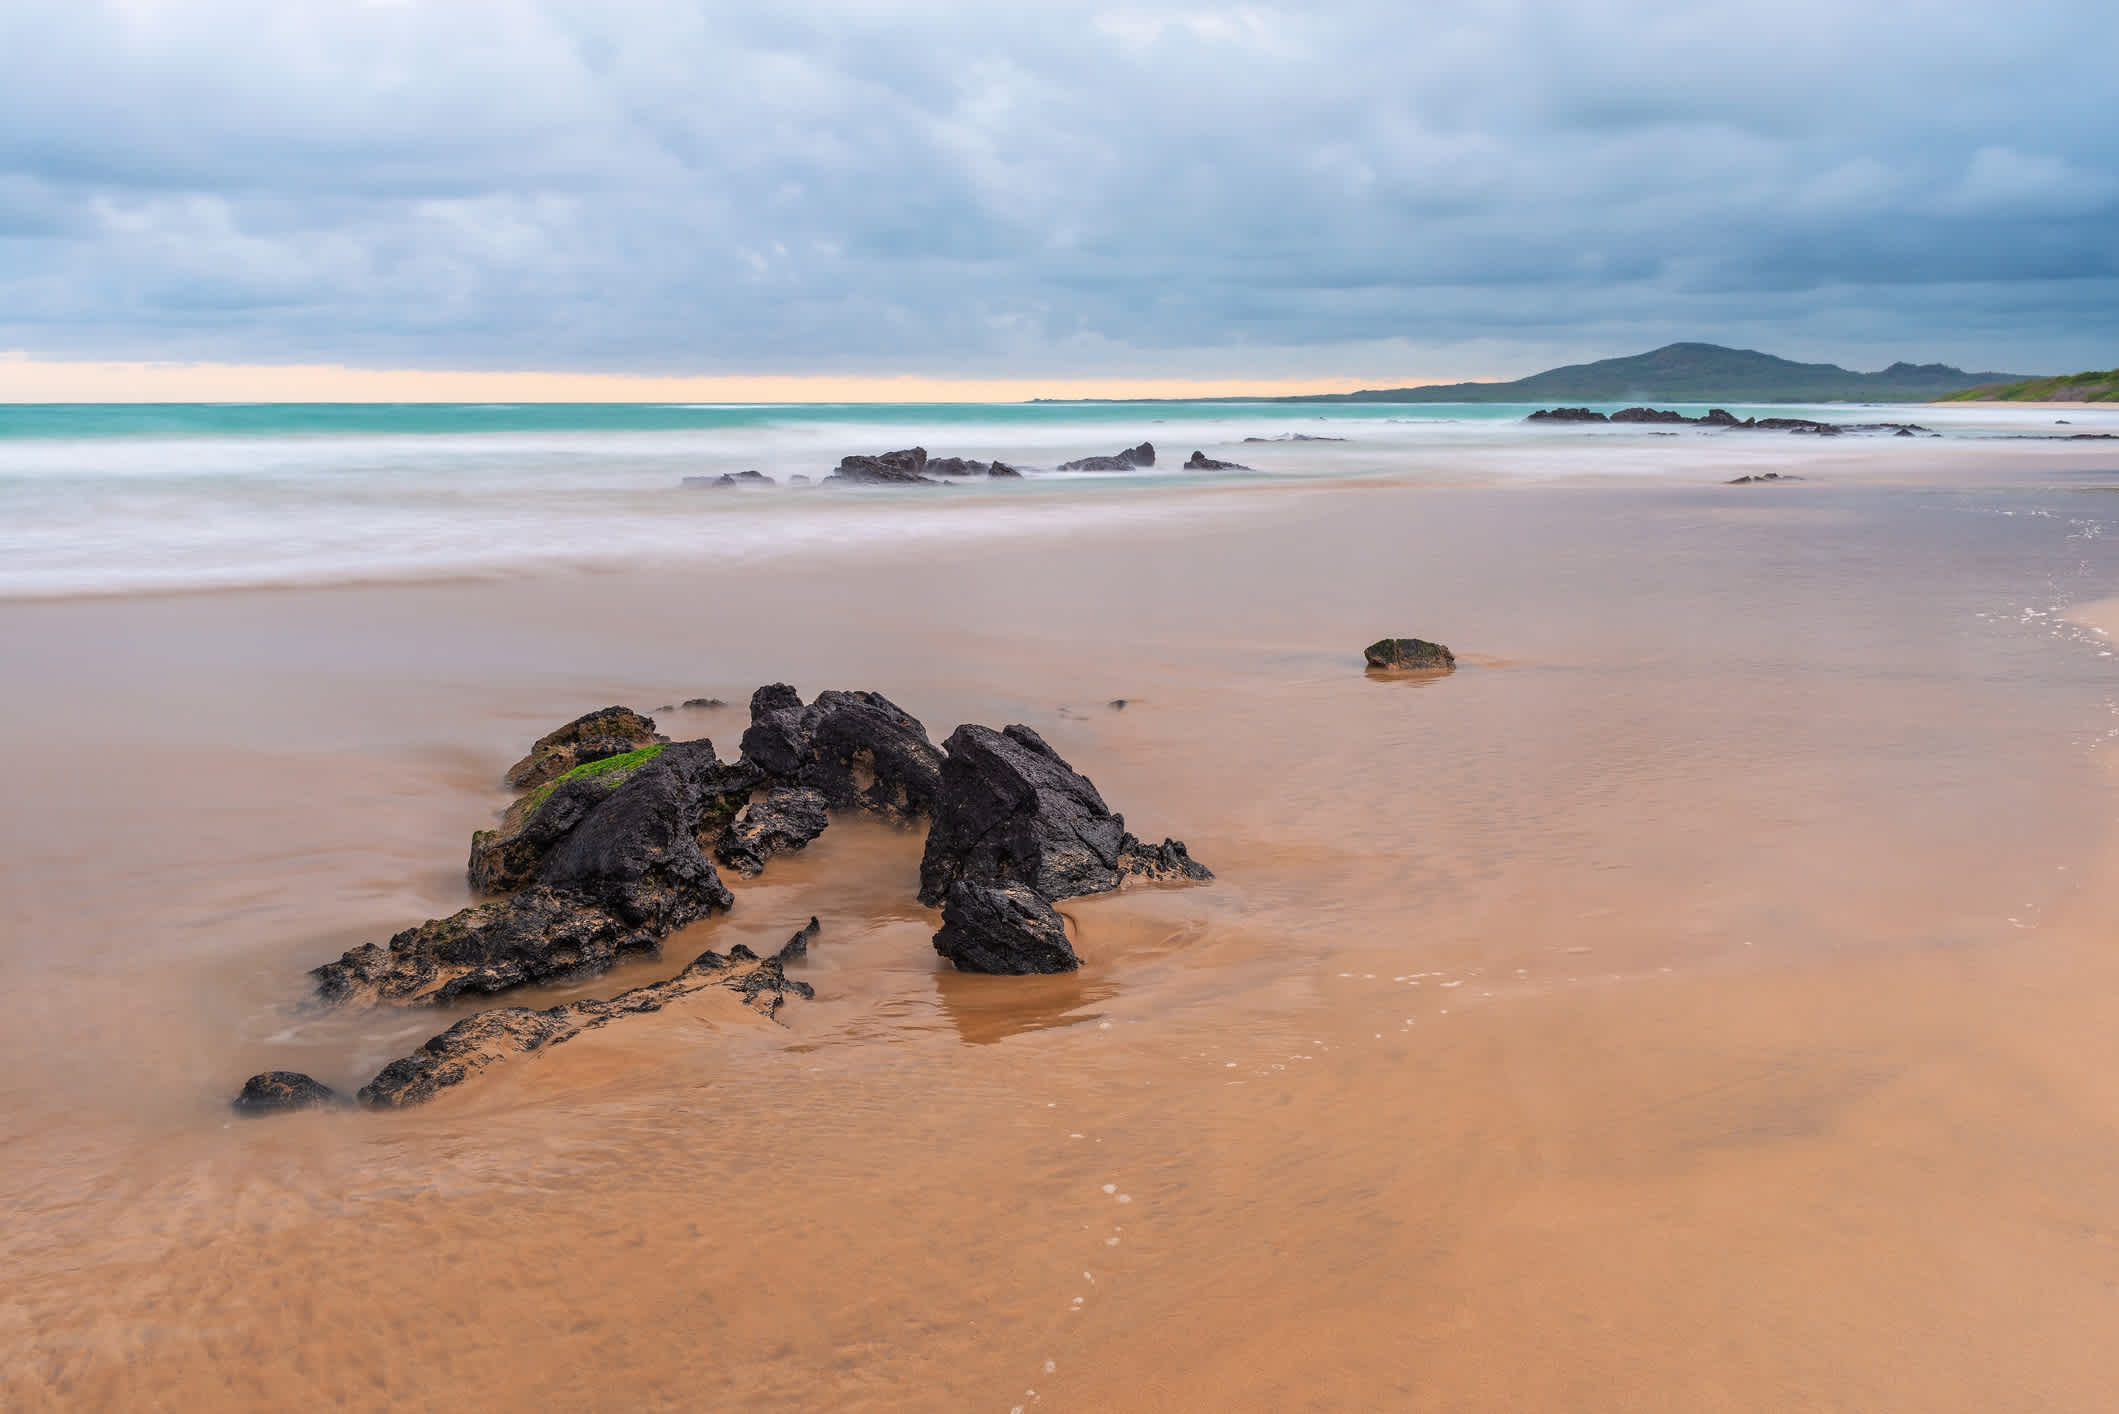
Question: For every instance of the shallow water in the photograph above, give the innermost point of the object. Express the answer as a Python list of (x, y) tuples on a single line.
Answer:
[(1698, 1000)]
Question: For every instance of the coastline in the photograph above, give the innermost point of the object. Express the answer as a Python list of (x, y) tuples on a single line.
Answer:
[(1756, 898)]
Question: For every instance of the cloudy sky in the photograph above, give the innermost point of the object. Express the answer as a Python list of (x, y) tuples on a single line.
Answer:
[(1375, 192)]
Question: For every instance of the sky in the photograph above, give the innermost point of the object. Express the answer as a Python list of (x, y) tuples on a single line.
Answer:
[(1041, 197)]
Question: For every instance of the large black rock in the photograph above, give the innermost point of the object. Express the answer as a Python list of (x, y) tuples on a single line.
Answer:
[(860, 749), (1002, 928), (1011, 811), (510, 856), (627, 875)]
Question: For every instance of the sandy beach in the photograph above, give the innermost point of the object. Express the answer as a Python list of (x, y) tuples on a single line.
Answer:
[(1699, 1000)]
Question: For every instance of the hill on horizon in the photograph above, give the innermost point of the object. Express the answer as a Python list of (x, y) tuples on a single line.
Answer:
[(1693, 373), (2092, 387)]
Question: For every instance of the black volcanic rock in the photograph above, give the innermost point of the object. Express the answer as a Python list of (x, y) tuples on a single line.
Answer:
[(1566, 415), (488, 1037), (277, 1091), (1165, 861), (796, 949), (1011, 811), (1200, 461), (1409, 655), (508, 857), (1002, 469), (905, 468), (1648, 415), (787, 819), (624, 877), (860, 749), (1002, 928), (1130, 459), (612, 731)]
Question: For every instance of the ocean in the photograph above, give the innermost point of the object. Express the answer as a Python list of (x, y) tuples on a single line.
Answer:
[(163, 498)]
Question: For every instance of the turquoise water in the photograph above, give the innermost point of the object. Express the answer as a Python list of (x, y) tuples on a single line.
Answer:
[(119, 498), (95, 420)]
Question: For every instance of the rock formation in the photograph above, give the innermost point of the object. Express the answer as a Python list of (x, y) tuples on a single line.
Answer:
[(788, 818), (1014, 822), (741, 478), (277, 1091), (1129, 460), (1200, 461), (610, 732), (860, 749), (905, 468), (1007, 929), (1409, 655), (618, 880), (482, 1039)]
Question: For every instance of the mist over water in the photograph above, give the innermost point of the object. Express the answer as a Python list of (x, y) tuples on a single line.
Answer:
[(99, 500)]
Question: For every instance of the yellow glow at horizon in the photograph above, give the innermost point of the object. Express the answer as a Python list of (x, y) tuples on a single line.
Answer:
[(24, 379)]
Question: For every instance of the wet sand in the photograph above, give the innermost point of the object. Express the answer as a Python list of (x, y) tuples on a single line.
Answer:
[(1700, 1000)]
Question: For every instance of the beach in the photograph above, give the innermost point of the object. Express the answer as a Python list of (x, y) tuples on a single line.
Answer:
[(1700, 999)]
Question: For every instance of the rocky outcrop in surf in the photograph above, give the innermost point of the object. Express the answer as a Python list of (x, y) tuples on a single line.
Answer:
[(1200, 461), (860, 749), (1131, 459), (1723, 418), (611, 876), (601, 859), (729, 480), (1016, 829)]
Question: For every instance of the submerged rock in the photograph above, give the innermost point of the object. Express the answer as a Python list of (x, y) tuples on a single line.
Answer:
[(1003, 469), (787, 819), (612, 731), (1200, 461), (1649, 415), (703, 704), (488, 1037), (1128, 460), (1003, 928), (277, 1091), (908, 467), (1169, 860), (1763, 476), (1409, 655), (796, 949), (1566, 415), (860, 749), (621, 879)]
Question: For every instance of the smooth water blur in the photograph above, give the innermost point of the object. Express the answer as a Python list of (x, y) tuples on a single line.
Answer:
[(126, 498)]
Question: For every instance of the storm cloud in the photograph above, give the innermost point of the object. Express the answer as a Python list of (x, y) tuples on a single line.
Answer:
[(635, 185)]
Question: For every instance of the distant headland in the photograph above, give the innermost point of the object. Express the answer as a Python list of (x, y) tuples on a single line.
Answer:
[(2090, 387), (1683, 373)]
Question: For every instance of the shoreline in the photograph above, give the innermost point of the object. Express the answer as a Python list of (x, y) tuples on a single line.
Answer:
[(1644, 1003)]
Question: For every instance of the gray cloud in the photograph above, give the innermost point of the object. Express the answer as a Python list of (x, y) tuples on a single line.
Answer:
[(1055, 189)]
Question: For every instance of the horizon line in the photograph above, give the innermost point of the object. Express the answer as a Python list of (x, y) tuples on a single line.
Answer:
[(25, 379)]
